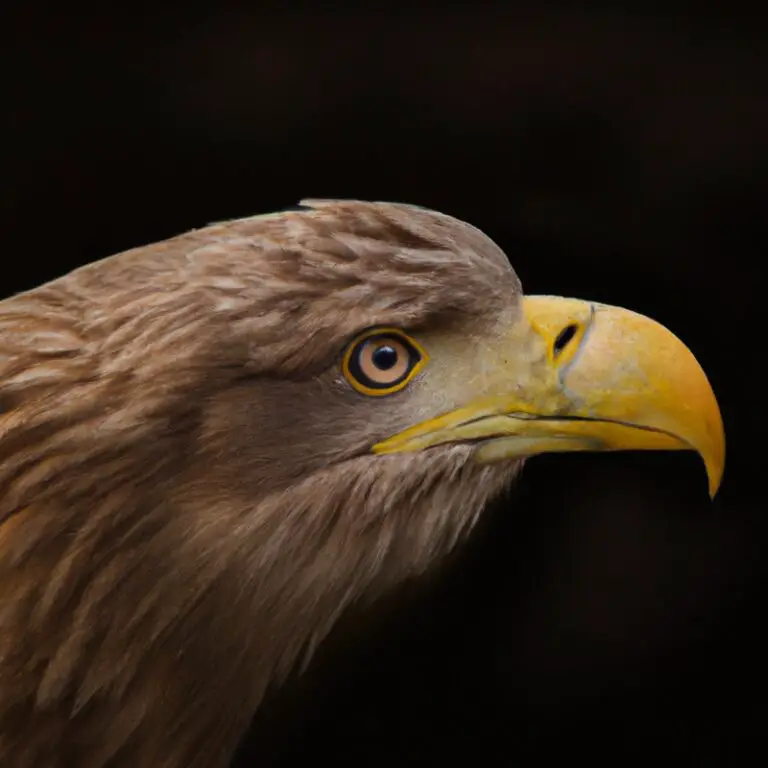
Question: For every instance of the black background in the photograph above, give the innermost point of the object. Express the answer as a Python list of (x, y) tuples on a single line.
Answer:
[(606, 612)]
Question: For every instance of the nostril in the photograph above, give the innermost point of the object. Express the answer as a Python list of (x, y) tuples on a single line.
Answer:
[(564, 337)]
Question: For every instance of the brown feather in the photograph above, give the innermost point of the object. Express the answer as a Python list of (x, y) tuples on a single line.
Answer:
[(187, 496)]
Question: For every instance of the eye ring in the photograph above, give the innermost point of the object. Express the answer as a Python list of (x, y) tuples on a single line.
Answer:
[(382, 361)]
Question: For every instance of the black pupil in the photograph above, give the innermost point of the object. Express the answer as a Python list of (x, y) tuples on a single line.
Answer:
[(565, 336), (385, 357)]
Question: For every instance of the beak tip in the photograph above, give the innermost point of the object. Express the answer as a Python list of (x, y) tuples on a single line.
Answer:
[(715, 478), (715, 466)]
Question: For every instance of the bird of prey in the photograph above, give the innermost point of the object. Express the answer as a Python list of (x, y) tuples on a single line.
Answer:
[(212, 446)]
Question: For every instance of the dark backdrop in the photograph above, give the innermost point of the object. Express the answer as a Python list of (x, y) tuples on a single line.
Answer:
[(607, 612)]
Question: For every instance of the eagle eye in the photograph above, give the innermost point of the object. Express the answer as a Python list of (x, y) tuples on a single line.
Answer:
[(382, 361)]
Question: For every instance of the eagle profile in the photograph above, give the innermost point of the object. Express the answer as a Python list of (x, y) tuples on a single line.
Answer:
[(211, 446)]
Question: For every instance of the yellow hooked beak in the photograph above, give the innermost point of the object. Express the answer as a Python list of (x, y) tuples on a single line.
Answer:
[(571, 375)]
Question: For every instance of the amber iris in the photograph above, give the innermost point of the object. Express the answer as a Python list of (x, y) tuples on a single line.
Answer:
[(382, 361)]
